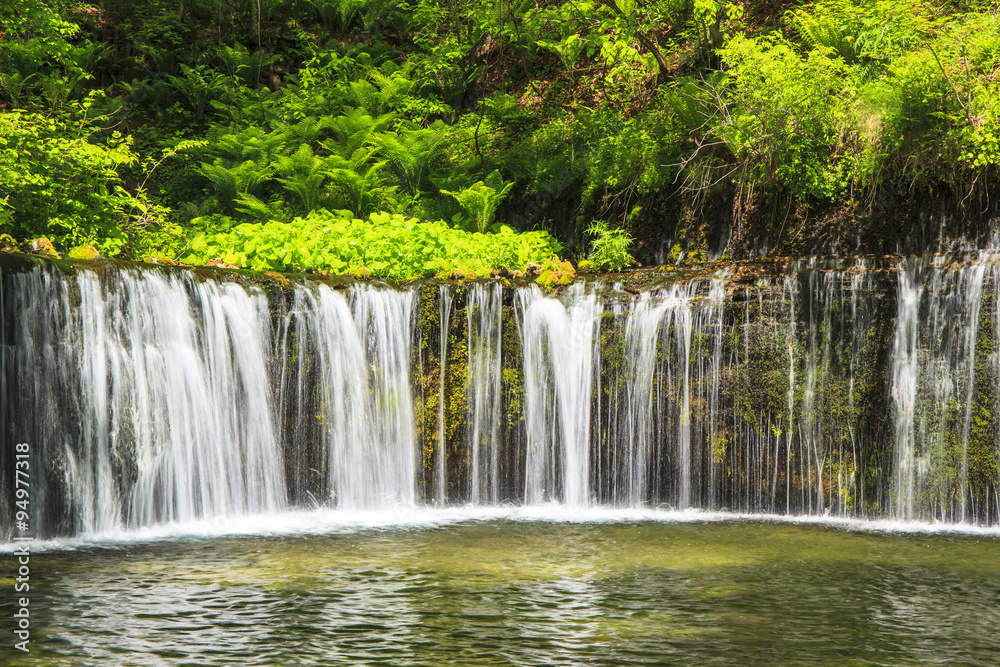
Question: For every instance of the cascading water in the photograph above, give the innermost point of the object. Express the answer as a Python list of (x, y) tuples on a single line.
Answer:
[(904, 392), (353, 359), (148, 394), (483, 314), (938, 325), (558, 343), (441, 453), (655, 389), (853, 389)]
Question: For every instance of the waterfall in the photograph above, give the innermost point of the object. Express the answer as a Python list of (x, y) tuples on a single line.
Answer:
[(483, 313), (363, 400), (150, 393), (860, 388), (904, 390), (709, 325), (558, 343), (933, 387), (673, 361), (649, 393)]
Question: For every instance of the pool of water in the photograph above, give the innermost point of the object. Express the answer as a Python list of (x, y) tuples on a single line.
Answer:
[(521, 592)]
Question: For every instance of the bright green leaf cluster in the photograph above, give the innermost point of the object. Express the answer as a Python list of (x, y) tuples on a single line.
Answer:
[(58, 179), (609, 248), (385, 245)]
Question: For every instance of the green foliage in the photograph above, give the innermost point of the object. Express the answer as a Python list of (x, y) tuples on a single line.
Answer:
[(610, 109), (412, 153), (627, 158), (200, 87), (345, 14), (481, 199), (782, 123), (303, 175), (609, 247), (385, 245), (59, 180), (868, 34), (231, 181), (358, 185), (354, 130), (566, 20)]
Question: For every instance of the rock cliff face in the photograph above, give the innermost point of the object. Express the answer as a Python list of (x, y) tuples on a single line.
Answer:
[(898, 220), (860, 387)]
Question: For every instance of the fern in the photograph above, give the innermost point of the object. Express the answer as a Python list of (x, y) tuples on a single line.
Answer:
[(230, 181), (353, 130), (481, 200), (381, 92), (338, 13), (359, 186), (375, 11), (822, 31), (244, 65), (411, 153), (306, 131), (253, 143), (199, 87), (255, 209), (12, 85), (303, 174)]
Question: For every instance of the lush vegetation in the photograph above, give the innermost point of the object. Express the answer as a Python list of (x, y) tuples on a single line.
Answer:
[(384, 245), (408, 138)]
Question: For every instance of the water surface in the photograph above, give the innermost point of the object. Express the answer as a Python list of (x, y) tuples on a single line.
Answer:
[(506, 592)]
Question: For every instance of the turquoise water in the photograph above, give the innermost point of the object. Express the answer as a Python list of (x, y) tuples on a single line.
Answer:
[(502, 592)]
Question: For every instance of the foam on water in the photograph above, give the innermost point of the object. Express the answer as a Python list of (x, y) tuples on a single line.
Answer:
[(317, 522)]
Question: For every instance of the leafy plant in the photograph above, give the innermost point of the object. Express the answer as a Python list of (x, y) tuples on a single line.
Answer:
[(303, 175), (609, 247), (481, 199), (340, 14), (411, 153), (230, 181), (384, 245), (781, 122), (55, 181), (357, 184), (353, 130)]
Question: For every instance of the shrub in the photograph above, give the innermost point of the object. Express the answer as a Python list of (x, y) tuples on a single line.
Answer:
[(57, 180)]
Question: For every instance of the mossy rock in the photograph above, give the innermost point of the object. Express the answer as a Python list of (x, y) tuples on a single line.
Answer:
[(8, 243), (43, 246), (159, 259), (84, 252), (282, 281), (559, 273)]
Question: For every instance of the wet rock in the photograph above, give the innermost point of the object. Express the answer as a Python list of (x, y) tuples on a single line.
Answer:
[(284, 282)]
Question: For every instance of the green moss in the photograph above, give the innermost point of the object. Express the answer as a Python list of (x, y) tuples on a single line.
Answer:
[(84, 252)]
